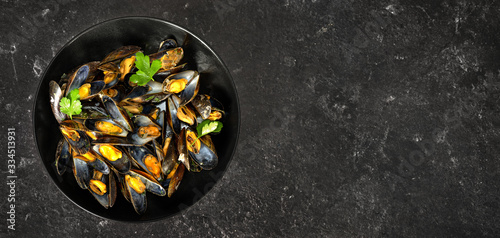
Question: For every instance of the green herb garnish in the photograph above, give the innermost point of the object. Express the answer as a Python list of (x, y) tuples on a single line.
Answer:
[(146, 71), (71, 104), (207, 127)]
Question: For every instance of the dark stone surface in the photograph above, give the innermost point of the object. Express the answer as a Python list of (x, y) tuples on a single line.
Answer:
[(359, 118)]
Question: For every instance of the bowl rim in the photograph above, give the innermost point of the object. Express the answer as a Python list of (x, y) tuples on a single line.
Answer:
[(90, 28)]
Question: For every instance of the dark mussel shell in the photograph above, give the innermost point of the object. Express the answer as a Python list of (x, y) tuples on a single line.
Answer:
[(82, 173), (167, 44), (107, 199), (116, 113), (147, 160), (75, 134), (77, 79), (121, 165), (192, 87), (121, 53), (202, 105), (100, 125), (93, 160), (63, 157), (145, 130)]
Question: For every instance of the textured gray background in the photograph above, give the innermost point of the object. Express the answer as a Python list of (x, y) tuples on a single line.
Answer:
[(358, 118)]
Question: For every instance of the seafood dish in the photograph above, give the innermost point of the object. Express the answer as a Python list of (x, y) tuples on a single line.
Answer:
[(134, 124)]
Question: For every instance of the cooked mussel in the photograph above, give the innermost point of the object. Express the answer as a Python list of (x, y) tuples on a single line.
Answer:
[(147, 160), (75, 134), (77, 79), (192, 86), (93, 160), (89, 90), (103, 188), (116, 113), (200, 152), (105, 126), (120, 53), (145, 130), (115, 156)]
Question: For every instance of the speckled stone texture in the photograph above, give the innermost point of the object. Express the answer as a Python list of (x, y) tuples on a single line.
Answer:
[(358, 118)]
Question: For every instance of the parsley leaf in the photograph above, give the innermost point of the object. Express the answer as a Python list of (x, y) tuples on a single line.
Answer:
[(145, 70), (71, 104), (207, 127)]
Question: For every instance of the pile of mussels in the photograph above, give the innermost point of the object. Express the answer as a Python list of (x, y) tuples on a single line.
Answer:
[(136, 138)]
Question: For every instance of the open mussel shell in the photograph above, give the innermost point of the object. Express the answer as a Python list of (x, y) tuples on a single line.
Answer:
[(90, 90), (170, 158), (77, 79), (106, 126), (135, 190), (121, 53), (167, 44), (56, 94), (147, 160), (145, 130), (152, 185), (191, 89), (82, 173), (103, 188), (92, 112), (175, 181), (203, 155), (169, 58), (75, 134), (202, 105), (63, 157), (182, 149), (116, 113), (114, 156), (172, 119), (93, 160)]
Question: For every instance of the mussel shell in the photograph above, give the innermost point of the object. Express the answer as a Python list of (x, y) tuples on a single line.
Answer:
[(91, 125), (82, 173), (167, 44), (162, 74), (138, 200), (202, 105), (169, 58), (56, 94), (82, 144), (78, 78), (121, 53), (108, 199), (205, 158), (97, 164), (63, 157), (170, 157), (95, 88), (191, 89), (172, 119), (141, 121), (182, 149), (121, 165), (92, 112), (138, 154), (116, 113), (152, 185), (175, 181)]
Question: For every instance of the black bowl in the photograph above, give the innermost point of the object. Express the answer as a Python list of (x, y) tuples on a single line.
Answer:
[(95, 43)]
